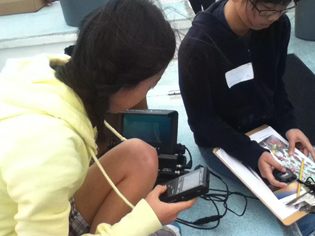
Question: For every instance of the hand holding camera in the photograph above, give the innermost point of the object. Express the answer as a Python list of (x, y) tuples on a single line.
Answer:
[(166, 212)]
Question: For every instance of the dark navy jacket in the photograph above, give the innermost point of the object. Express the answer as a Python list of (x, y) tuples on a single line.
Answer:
[(218, 115)]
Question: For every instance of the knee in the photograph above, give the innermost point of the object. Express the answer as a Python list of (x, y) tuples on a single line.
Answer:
[(143, 155)]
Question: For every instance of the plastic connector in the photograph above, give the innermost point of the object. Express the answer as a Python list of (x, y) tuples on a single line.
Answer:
[(180, 149), (206, 220)]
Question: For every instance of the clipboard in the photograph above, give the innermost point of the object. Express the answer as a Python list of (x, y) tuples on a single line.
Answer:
[(291, 218)]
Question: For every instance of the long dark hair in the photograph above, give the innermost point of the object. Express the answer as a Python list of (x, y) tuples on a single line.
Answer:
[(119, 45)]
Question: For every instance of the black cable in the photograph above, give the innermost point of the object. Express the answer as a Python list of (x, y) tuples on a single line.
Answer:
[(189, 164), (203, 220), (245, 207), (309, 182), (220, 190), (216, 197), (180, 150)]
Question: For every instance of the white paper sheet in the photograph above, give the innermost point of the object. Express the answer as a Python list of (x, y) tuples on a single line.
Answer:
[(256, 184)]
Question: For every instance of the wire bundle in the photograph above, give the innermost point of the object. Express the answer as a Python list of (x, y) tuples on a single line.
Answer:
[(219, 196)]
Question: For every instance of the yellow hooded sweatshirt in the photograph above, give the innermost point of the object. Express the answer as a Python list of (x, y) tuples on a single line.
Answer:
[(46, 142)]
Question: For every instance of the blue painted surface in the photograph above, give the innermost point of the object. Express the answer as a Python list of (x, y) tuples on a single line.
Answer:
[(258, 220), (47, 21)]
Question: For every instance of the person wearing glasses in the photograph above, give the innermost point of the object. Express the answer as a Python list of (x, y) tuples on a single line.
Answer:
[(231, 64)]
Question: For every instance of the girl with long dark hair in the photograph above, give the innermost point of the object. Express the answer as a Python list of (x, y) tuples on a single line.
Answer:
[(53, 106)]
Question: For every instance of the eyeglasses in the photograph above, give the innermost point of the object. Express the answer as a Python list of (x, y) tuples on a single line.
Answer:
[(268, 13)]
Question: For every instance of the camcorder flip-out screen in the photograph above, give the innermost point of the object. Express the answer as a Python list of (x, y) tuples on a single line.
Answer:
[(156, 127), (187, 186)]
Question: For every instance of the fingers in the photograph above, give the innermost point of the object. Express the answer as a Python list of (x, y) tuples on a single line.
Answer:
[(267, 173), (166, 212), (159, 189), (307, 148), (271, 161), (273, 181), (310, 149), (291, 146), (295, 136), (176, 208), (306, 152), (276, 183), (180, 206), (266, 164)]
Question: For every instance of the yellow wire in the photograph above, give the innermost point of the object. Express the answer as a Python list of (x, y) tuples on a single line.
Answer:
[(118, 135), (111, 182), (104, 172)]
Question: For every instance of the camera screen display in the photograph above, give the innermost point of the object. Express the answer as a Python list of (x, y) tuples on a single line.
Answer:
[(191, 180), (151, 129)]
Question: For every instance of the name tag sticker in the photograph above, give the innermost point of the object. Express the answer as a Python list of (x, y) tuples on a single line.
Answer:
[(240, 74)]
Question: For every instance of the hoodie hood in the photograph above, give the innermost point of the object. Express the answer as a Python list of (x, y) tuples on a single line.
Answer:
[(208, 21), (29, 85)]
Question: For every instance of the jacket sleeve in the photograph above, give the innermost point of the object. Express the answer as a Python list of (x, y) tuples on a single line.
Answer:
[(197, 71), (42, 175), (142, 221), (284, 110)]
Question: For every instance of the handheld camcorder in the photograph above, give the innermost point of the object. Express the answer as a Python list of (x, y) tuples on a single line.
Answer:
[(159, 129), (187, 186)]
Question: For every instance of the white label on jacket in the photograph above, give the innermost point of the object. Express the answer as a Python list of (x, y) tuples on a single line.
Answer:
[(240, 74)]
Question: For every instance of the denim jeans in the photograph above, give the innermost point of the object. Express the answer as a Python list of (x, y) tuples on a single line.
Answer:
[(306, 224)]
